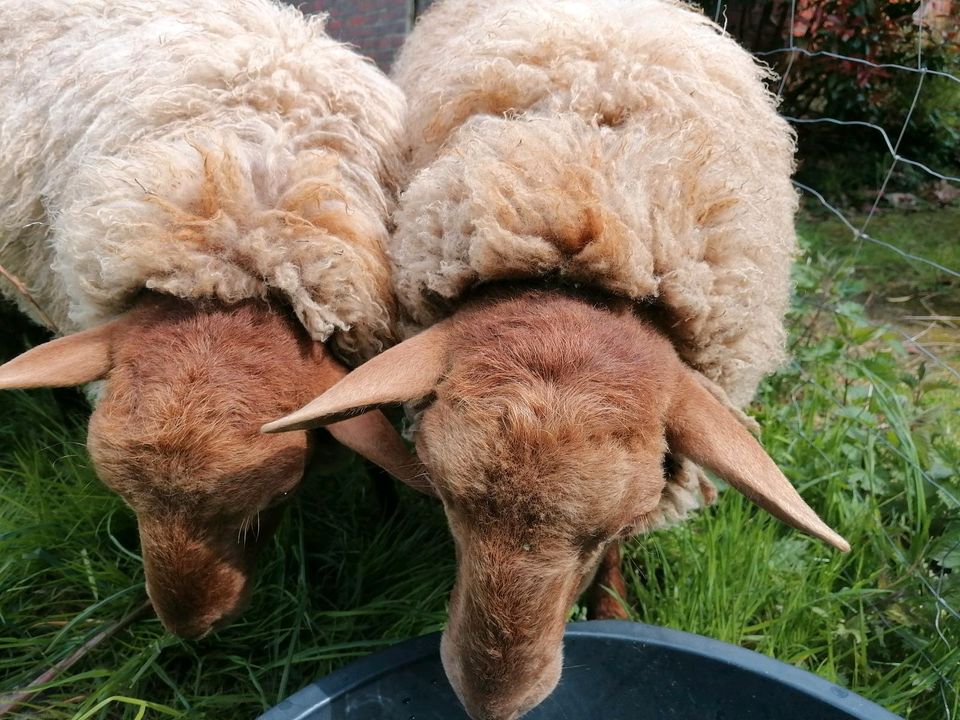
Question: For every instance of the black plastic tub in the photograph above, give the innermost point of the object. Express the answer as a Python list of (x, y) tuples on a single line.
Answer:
[(611, 671)]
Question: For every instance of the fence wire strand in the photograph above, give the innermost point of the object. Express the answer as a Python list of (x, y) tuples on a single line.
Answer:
[(856, 60), (787, 56), (859, 234)]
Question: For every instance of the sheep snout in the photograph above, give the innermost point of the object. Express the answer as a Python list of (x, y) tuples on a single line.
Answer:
[(197, 580), (484, 700), (501, 669)]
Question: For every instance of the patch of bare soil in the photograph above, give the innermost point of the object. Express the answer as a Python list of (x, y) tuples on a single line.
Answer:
[(930, 325)]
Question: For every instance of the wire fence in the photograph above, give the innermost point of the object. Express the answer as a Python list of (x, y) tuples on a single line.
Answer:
[(792, 51), (779, 34)]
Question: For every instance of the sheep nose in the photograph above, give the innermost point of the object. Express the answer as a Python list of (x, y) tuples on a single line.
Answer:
[(511, 694), (194, 628), (192, 620), (506, 703), (511, 712), (481, 715), (188, 632)]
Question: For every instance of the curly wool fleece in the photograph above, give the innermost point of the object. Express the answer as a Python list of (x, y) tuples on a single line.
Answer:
[(220, 149), (624, 144)]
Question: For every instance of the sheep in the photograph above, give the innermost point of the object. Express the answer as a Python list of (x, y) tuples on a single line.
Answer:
[(196, 192), (596, 230)]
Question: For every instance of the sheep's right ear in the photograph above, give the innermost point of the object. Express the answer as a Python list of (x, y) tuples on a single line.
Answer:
[(408, 371), (72, 360), (701, 428)]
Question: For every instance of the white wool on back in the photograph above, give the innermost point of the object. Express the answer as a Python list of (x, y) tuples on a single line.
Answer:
[(221, 149), (623, 144)]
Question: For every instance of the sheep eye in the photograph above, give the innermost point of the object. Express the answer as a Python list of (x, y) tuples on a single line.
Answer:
[(671, 466), (590, 542), (640, 524), (278, 499)]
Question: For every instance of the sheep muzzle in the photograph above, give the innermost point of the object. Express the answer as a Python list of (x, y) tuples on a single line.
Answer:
[(503, 647), (199, 577)]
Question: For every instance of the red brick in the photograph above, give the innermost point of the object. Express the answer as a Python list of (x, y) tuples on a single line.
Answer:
[(376, 27)]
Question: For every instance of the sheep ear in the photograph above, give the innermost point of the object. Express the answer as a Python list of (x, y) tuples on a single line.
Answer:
[(372, 436), (72, 360), (407, 371), (700, 428)]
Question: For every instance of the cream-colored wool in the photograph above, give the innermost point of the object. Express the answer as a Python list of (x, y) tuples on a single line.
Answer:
[(221, 149), (624, 144)]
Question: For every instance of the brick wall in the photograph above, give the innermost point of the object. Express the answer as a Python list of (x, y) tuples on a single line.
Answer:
[(376, 27)]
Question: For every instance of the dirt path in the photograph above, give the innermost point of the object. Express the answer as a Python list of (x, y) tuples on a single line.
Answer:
[(930, 325)]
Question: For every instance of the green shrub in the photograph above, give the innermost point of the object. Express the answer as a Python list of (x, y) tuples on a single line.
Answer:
[(851, 88)]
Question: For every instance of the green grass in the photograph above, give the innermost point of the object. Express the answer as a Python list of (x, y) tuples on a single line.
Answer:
[(930, 234), (871, 439), (906, 289)]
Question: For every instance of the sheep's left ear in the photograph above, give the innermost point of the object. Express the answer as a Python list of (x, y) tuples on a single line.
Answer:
[(373, 437), (408, 371), (72, 360), (701, 428)]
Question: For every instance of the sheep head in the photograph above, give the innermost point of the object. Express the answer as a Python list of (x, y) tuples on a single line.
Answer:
[(176, 433), (547, 438)]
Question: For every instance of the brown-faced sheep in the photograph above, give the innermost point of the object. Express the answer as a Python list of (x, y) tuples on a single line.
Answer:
[(198, 187), (598, 225)]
